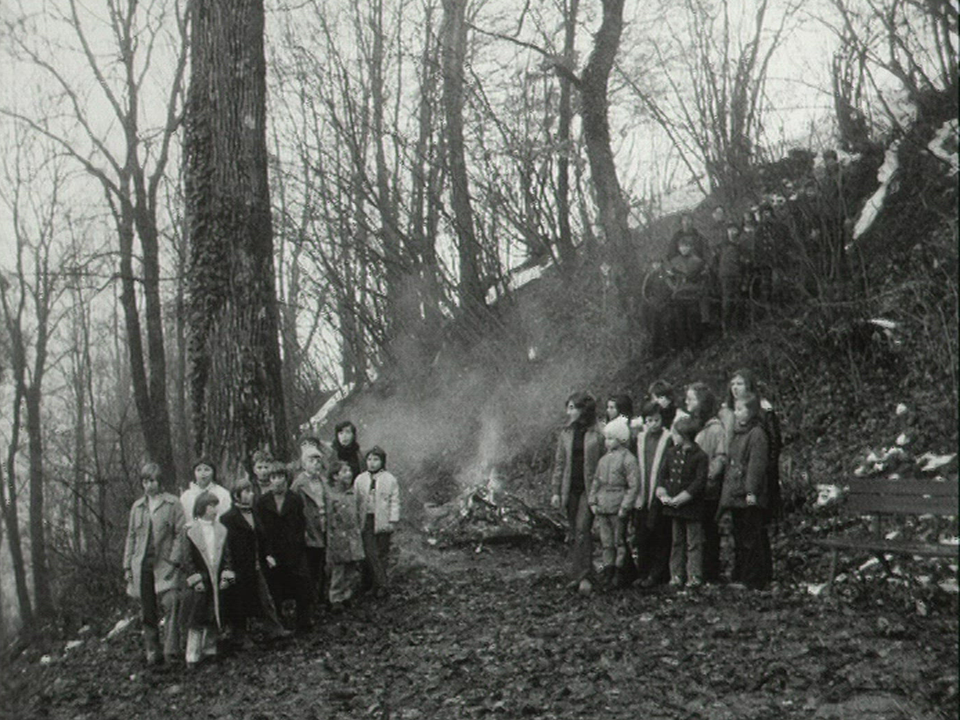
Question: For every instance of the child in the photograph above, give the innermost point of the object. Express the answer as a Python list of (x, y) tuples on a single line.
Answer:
[(682, 480), (745, 494), (150, 563), (206, 565), (687, 272), (284, 530), (701, 403), (579, 447), (309, 485), (205, 480), (344, 540), (249, 597), (380, 503), (661, 392), (613, 494), (651, 532), (730, 274), (262, 464), (345, 445)]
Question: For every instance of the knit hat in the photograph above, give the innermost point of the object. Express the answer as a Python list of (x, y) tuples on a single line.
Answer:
[(617, 429)]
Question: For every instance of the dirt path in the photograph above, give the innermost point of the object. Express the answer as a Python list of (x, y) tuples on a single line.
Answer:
[(494, 634)]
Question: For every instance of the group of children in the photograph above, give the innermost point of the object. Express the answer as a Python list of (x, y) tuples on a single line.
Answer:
[(215, 561), (656, 495)]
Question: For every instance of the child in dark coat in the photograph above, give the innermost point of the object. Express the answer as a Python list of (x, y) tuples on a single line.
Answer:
[(205, 562), (284, 530), (249, 597), (682, 481)]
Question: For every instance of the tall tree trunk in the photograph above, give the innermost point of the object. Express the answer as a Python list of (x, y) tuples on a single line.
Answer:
[(612, 209), (10, 514), (424, 172), (453, 35), (565, 246), (42, 595), (235, 374)]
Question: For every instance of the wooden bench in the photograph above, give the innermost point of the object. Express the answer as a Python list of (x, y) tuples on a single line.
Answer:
[(888, 500)]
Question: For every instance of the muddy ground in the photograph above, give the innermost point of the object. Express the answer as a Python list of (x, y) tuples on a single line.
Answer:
[(494, 633)]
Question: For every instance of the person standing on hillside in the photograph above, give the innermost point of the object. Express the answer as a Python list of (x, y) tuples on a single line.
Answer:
[(380, 514), (651, 532), (149, 563), (579, 448), (689, 233)]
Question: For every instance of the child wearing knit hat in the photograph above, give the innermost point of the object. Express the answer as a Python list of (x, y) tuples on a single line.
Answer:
[(612, 496)]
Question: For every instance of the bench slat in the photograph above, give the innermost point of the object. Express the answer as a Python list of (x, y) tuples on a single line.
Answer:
[(900, 504), (890, 546), (933, 488)]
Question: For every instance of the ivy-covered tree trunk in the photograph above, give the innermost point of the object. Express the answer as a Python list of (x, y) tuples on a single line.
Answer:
[(235, 375)]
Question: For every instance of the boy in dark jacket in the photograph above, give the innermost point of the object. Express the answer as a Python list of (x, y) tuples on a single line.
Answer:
[(284, 530), (682, 482)]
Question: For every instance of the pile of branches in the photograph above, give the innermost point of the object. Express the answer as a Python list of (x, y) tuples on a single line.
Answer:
[(486, 515)]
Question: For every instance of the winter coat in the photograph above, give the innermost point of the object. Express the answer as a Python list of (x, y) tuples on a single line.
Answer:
[(563, 460), (344, 523), (189, 496), (688, 276), (312, 493), (646, 492), (284, 530), (746, 471), (204, 567), (730, 260), (684, 469), (248, 559), (616, 483), (712, 439), (168, 522), (770, 423), (383, 502)]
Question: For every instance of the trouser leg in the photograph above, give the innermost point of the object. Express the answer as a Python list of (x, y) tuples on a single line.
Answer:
[(694, 538), (711, 540), (582, 551), (678, 550)]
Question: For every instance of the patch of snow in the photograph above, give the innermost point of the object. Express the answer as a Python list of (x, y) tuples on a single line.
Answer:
[(886, 173), (950, 586), (903, 439), (46, 660), (950, 540), (827, 494), (330, 404), (815, 588), (944, 145), (516, 280), (869, 564), (928, 461), (121, 625), (901, 409), (73, 644)]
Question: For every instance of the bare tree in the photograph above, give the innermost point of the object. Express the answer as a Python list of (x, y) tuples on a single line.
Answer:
[(29, 297), (131, 171), (453, 43), (712, 107)]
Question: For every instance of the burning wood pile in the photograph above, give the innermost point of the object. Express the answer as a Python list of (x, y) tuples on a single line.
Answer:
[(487, 514)]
